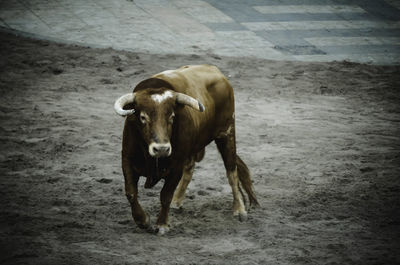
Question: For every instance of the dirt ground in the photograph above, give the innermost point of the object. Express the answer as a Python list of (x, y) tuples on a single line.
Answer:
[(321, 140)]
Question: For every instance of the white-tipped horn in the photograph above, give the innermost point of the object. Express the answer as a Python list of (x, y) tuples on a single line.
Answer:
[(188, 100), (123, 101)]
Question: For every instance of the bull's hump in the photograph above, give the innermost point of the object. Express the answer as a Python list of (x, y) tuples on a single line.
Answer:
[(169, 76), (168, 73)]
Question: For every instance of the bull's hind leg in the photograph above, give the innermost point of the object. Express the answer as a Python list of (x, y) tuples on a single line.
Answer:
[(227, 147), (179, 195)]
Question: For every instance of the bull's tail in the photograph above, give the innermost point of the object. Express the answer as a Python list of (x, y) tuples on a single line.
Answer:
[(245, 181)]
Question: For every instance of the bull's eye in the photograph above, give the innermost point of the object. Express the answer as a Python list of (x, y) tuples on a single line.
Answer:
[(144, 117), (171, 118)]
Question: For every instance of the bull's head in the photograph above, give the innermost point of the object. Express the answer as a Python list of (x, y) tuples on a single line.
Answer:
[(154, 109)]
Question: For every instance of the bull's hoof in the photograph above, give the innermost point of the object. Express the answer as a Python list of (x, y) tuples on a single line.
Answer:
[(176, 203), (177, 208), (162, 230), (242, 216), (144, 224)]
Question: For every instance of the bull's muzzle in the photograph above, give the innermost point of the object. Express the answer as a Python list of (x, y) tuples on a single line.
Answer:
[(160, 150)]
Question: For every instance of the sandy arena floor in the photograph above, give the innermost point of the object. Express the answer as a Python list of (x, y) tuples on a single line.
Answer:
[(321, 139)]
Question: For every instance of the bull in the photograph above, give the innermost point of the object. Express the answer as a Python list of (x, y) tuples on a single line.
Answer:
[(170, 119)]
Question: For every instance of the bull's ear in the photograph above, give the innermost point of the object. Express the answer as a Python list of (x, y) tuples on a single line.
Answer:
[(189, 101), (124, 105)]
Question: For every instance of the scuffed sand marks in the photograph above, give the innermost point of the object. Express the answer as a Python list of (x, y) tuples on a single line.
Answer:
[(321, 141)]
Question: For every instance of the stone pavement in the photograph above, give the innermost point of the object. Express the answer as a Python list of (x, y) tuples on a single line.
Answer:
[(305, 30)]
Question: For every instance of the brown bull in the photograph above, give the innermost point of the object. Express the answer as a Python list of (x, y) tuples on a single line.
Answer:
[(171, 118)]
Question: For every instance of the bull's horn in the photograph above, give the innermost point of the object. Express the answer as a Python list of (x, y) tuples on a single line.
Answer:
[(123, 101), (187, 100)]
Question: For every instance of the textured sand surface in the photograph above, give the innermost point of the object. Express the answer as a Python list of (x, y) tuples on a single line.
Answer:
[(321, 140)]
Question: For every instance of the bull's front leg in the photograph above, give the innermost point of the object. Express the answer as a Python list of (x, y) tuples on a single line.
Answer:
[(166, 195), (131, 191)]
